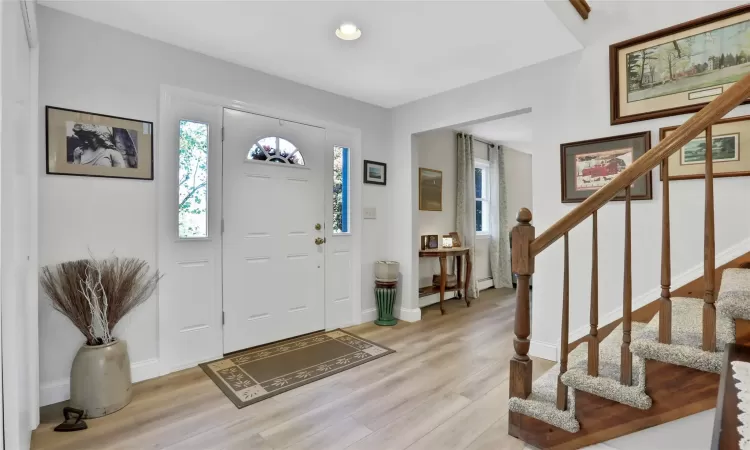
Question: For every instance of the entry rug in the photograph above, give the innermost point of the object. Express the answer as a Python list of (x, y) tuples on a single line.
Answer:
[(741, 373), (257, 374)]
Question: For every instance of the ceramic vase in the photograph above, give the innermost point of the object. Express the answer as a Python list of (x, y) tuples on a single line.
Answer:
[(386, 270), (100, 379)]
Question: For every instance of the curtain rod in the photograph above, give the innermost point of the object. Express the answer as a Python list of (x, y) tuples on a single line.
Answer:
[(478, 140)]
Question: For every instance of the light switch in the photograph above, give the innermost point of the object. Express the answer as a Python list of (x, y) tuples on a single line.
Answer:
[(369, 213)]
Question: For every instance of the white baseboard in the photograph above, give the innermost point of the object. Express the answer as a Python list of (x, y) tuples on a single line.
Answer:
[(543, 350), (370, 314), (428, 300), (59, 391), (410, 315), (485, 284), (682, 279)]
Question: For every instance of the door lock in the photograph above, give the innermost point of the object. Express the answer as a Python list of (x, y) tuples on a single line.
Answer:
[(319, 241), (317, 226)]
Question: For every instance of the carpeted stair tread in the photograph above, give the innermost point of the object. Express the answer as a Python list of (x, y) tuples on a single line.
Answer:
[(734, 295), (607, 384), (685, 349), (541, 403)]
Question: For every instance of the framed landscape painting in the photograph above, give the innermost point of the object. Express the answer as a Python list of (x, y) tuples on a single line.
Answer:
[(730, 141), (81, 143), (679, 69), (587, 166), (430, 190), (375, 173)]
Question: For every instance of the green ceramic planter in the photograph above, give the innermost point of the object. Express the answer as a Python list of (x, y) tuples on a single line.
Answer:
[(386, 298)]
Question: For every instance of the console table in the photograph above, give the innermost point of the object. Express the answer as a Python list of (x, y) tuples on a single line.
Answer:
[(443, 254)]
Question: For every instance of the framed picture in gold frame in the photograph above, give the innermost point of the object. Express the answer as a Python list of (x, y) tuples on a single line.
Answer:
[(731, 151), (430, 190)]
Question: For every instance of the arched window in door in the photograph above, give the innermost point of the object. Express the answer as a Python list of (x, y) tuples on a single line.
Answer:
[(276, 150)]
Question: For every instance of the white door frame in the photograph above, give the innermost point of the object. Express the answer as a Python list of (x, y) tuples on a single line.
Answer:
[(166, 236)]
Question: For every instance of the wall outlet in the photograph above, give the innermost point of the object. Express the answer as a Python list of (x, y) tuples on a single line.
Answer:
[(369, 213)]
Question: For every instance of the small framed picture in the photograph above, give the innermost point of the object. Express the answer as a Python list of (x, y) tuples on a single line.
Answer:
[(375, 173), (86, 144), (730, 138), (432, 241), (588, 166), (456, 239)]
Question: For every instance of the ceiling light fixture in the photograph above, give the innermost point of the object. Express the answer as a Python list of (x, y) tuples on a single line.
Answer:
[(348, 32)]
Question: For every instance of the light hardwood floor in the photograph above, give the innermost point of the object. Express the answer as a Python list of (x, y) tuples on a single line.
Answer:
[(445, 388)]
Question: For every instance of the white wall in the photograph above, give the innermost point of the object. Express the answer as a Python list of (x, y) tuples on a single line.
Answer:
[(17, 240), (569, 97), (93, 67), (518, 179), (436, 149)]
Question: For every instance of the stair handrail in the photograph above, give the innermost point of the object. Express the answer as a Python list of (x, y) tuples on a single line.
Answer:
[(718, 108), (526, 246)]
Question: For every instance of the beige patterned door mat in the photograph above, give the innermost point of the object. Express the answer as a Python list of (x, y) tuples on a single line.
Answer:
[(257, 374)]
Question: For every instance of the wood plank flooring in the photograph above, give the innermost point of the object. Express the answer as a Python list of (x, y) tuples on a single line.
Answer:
[(445, 388)]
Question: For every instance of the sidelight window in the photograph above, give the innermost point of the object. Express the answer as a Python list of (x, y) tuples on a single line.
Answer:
[(192, 215), (340, 190)]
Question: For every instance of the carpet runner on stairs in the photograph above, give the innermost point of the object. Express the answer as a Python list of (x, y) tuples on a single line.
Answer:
[(733, 302), (607, 384), (687, 338)]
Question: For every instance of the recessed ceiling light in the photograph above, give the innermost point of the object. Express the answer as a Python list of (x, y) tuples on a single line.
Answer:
[(348, 32)]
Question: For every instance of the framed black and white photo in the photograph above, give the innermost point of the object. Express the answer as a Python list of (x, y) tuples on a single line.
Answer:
[(81, 143), (374, 173)]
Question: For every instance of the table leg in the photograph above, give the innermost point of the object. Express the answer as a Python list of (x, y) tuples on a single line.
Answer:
[(459, 262), (442, 283), (466, 284)]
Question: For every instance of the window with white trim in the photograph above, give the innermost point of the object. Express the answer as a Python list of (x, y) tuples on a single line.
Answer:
[(192, 200), (276, 150), (481, 177), (341, 200)]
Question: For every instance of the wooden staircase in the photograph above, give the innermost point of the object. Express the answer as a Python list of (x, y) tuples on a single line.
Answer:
[(676, 391)]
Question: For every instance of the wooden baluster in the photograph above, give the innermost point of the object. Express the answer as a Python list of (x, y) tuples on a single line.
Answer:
[(709, 255), (593, 360), (665, 304), (522, 263), (626, 358), (562, 390)]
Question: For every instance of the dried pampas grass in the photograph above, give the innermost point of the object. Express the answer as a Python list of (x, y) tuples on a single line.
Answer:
[(95, 294)]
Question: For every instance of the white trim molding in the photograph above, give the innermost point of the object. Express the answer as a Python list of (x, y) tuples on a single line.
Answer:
[(369, 314), (59, 391), (544, 350), (410, 315)]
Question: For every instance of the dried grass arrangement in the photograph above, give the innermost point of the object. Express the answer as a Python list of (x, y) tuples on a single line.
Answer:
[(95, 294)]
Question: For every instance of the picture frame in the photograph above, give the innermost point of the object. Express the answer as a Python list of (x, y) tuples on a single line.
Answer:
[(432, 241), (731, 144), (124, 147), (586, 166), (375, 173), (430, 190), (456, 239), (678, 70)]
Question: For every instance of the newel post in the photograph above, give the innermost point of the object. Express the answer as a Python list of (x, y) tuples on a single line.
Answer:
[(523, 266)]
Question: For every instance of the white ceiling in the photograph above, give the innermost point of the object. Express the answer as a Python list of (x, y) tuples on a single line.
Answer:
[(513, 131), (408, 50)]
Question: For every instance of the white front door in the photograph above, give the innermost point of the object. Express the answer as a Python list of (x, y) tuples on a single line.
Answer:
[(273, 205)]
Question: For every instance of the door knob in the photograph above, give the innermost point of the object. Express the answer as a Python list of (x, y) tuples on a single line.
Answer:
[(317, 226), (319, 241)]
